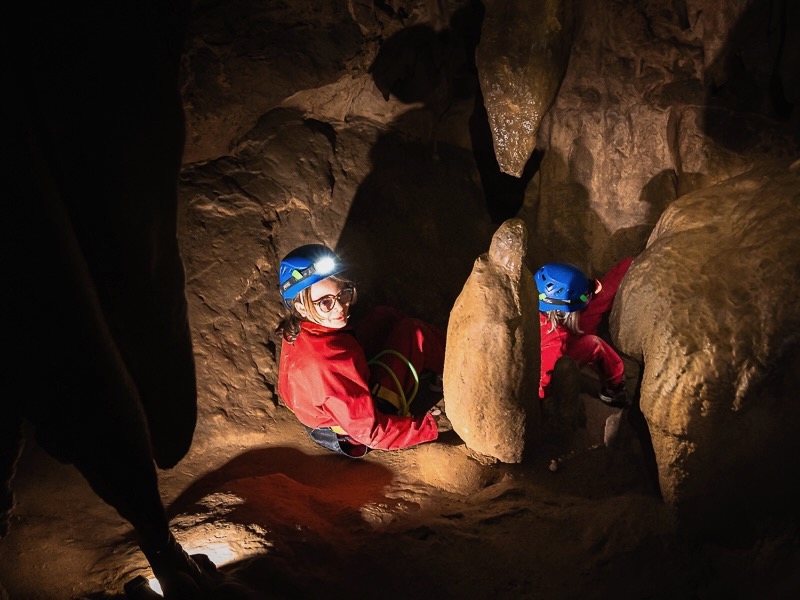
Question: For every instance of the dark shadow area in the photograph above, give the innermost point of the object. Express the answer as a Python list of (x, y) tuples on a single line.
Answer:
[(96, 144), (638, 425), (753, 88), (562, 222), (761, 453), (504, 193), (437, 68), (414, 229), (310, 507)]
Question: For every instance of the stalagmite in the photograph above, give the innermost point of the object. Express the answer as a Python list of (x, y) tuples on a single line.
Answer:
[(492, 365)]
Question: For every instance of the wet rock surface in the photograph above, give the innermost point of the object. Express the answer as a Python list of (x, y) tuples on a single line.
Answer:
[(521, 60)]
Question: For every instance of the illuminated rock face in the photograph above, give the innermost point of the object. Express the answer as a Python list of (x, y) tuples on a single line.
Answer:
[(521, 61), (492, 364), (656, 102), (711, 308), (285, 185)]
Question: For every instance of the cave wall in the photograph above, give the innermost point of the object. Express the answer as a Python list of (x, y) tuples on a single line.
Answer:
[(703, 309), (659, 99), (363, 125)]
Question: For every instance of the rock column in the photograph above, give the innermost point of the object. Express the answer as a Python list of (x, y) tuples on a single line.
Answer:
[(492, 365)]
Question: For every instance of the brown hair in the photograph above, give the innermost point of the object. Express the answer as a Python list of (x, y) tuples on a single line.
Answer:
[(289, 327)]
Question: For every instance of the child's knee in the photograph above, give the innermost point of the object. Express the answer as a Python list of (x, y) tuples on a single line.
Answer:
[(595, 341)]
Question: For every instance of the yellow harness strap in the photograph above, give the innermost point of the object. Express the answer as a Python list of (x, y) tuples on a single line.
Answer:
[(389, 396)]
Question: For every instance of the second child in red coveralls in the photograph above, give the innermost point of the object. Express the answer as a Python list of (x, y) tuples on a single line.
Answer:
[(346, 403), (571, 308)]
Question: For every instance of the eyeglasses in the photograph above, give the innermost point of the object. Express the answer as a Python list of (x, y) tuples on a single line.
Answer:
[(326, 303)]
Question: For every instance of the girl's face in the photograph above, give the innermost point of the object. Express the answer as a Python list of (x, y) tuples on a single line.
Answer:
[(328, 294)]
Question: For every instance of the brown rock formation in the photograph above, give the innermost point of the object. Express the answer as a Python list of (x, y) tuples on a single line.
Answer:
[(711, 309), (492, 363), (658, 100), (522, 57)]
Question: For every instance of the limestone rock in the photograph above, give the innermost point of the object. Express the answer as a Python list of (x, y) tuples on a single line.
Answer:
[(711, 309), (639, 120), (522, 57), (491, 368), (292, 180), (240, 62)]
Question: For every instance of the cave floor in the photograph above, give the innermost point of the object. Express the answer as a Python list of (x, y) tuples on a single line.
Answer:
[(294, 521)]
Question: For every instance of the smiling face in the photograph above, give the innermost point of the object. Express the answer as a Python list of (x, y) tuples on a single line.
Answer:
[(331, 292)]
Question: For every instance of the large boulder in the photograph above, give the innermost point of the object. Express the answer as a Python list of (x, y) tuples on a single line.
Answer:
[(711, 309), (491, 369)]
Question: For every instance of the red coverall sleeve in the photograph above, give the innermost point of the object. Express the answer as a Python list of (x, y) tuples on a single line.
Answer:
[(552, 348), (348, 401), (602, 302)]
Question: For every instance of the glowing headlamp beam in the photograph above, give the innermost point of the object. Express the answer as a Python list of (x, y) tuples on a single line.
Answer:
[(324, 265)]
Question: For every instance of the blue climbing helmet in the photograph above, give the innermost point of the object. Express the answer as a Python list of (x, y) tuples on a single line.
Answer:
[(564, 287), (305, 266)]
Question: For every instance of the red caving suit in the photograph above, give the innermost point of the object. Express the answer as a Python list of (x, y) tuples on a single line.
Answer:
[(324, 377), (586, 349)]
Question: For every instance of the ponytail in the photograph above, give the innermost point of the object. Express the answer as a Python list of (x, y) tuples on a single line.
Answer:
[(289, 327)]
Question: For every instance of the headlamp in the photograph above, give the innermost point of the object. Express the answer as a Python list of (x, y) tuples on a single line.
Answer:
[(323, 267)]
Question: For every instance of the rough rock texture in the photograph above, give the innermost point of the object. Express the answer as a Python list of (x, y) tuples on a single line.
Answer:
[(292, 180), (521, 59), (659, 99), (711, 309), (241, 60), (492, 363), (232, 208)]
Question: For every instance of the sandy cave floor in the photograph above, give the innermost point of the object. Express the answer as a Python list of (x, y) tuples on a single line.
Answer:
[(295, 521)]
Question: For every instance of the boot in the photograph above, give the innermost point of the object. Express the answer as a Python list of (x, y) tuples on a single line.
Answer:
[(614, 393)]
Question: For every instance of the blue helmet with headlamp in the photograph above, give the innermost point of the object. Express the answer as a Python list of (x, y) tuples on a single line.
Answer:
[(305, 266), (564, 287)]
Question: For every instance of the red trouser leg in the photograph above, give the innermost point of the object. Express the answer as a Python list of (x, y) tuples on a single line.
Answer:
[(592, 350), (420, 343)]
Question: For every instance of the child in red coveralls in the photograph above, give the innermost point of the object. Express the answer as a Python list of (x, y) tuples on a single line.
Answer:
[(570, 309), (346, 403)]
